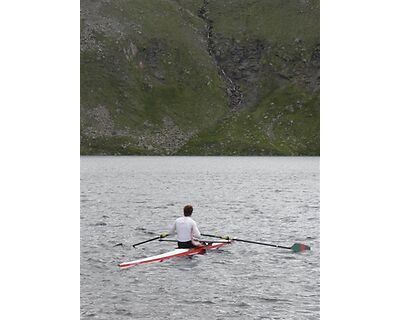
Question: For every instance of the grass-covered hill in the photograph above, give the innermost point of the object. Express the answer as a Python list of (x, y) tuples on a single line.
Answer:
[(200, 77)]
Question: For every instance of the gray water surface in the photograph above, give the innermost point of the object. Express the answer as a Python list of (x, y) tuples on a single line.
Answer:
[(131, 199)]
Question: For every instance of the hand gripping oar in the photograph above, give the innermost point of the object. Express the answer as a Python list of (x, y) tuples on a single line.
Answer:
[(136, 244), (297, 247)]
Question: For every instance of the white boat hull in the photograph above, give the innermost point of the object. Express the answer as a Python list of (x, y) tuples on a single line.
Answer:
[(173, 254)]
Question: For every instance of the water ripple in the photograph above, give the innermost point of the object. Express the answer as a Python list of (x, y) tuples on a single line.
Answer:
[(131, 199)]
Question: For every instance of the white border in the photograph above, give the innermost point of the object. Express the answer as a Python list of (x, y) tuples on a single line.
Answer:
[(40, 159), (359, 159)]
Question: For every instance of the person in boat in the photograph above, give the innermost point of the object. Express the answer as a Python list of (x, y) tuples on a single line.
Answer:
[(185, 229)]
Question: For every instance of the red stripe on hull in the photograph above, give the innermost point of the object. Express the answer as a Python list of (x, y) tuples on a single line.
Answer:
[(181, 254)]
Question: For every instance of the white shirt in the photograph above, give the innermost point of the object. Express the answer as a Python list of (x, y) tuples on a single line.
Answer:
[(185, 229)]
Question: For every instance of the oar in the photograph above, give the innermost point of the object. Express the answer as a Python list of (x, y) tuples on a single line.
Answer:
[(118, 244), (172, 240), (136, 244), (152, 239), (297, 247)]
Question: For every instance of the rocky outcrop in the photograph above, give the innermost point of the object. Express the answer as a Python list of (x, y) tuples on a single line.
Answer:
[(233, 91), (166, 140)]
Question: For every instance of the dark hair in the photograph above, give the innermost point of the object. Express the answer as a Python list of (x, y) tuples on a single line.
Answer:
[(187, 210)]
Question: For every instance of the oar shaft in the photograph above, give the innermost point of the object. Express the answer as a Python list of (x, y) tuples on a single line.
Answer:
[(263, 244), (216, 241), (211, 235), (249, 241), (136, 244)]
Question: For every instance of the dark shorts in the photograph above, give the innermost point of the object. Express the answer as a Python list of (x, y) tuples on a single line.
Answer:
[(186, 245)]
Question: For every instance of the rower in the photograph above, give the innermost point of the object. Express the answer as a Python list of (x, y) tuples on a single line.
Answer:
[(186, 230)]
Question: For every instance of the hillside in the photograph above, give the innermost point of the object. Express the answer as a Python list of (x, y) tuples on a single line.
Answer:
[(200, 77)]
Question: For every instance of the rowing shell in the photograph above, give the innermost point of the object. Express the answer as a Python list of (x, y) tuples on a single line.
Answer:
[(173, 254)]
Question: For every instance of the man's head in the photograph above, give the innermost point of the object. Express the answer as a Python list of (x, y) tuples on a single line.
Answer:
[(187, 210)]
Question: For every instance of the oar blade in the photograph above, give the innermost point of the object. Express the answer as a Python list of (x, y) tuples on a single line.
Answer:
[(299, 247)]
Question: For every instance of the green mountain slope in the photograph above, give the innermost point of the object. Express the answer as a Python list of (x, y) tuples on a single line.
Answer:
[(200, 77)]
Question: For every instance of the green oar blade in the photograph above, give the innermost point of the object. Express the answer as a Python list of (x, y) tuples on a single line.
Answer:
[(299, 247)]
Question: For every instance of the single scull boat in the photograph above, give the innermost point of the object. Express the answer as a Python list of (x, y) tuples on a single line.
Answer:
[(175, 253)]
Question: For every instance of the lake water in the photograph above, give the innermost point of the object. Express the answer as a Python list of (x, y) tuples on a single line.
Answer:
[(131, 199)]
